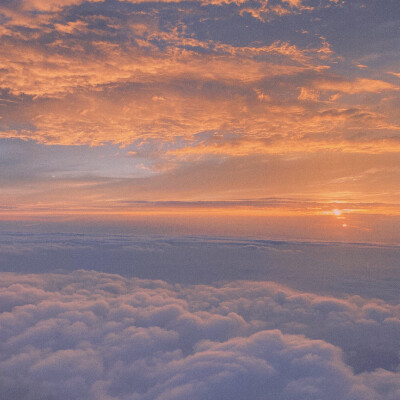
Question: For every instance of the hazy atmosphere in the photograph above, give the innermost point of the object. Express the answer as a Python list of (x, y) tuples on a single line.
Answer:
[(199, 200)]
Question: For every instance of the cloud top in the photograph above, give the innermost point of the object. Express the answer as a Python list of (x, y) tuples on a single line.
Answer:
[(90, 335)]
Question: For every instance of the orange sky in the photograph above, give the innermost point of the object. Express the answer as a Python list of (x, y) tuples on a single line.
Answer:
[(199, 108)]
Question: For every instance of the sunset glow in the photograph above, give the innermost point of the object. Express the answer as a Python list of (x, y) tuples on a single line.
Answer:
[(200, 199), (111, 100)]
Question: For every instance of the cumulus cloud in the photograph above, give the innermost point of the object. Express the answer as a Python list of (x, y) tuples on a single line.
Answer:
[(90, 335)]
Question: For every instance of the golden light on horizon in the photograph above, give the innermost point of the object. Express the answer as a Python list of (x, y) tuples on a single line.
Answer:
[(199, 199)]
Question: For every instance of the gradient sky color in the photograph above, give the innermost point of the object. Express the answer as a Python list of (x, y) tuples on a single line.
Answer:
[(202, 108), (199, 200)]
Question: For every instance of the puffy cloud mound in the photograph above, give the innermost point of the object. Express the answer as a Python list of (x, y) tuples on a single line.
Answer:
[(89, 335)]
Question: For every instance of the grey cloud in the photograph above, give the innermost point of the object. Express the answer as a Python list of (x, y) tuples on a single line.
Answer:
[(366, 269), (91, 335)]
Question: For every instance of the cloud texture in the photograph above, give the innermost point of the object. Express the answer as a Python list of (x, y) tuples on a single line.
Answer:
[(207, 99), (90, 335), (94, 72)]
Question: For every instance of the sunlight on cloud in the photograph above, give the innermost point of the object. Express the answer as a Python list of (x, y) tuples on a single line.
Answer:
[(199, 84), (205, 85), (270, 127)]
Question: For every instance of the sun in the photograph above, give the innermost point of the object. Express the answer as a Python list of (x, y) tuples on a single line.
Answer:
[(337, 212)]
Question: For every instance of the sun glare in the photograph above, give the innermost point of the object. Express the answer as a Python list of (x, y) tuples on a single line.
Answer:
[(337, 212)]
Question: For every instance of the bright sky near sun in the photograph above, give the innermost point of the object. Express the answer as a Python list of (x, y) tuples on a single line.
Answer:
[(276, 107), (199, 199)]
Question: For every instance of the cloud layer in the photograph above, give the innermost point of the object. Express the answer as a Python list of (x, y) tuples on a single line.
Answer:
[(197, 100), (93, 72), (90, 335), (367, 270)]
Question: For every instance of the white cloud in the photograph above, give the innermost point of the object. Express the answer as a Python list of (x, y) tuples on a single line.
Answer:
[(89, 335)]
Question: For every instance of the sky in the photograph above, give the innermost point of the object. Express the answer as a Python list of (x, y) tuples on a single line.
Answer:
[(199, 199), (131, 109)]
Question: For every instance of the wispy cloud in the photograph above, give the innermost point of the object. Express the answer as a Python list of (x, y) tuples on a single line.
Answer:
[(191, 85), (103, 77)]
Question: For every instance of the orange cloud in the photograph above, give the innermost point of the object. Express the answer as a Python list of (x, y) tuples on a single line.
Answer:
[(139, 90), (308, 94), (49, 72), (51, 5), (360, 85)]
